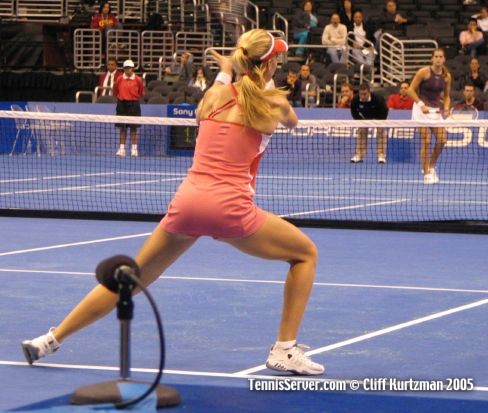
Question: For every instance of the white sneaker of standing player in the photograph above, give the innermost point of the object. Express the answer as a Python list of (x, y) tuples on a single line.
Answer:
[(293, 360), (435, 177), (429, 178), (134, 151), (121, 151), (356, 159), (40, 347), (381, 159)]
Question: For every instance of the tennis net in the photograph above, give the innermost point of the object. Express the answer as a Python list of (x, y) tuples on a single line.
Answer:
[(65, 165)]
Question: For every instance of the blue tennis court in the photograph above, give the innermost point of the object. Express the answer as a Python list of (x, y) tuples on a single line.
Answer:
[(384, 305)]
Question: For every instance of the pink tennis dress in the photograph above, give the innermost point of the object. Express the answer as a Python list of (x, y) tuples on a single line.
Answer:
[(216, 197)]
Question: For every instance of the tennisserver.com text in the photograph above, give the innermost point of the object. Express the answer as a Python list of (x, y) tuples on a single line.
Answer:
[(367, 384)]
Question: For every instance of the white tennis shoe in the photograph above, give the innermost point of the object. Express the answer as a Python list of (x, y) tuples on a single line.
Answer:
[(293, 360), (356, 159), (120, 152), (431, 177), (40, 347), (435, 177)]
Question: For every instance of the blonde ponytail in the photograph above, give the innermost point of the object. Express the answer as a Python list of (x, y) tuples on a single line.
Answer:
[(252, 96)]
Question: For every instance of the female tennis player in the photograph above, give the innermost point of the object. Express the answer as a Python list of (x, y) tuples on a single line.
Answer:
[(216, 199), (431, 91)]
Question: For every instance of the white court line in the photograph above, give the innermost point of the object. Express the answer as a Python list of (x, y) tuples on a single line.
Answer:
[(55, 177), (377, 333), (151, 173), (255, 281), (74, 244), (301, 178), (87, 187), (458, 202), (287, 177), (325, 284), (6, 181), (418, 181), (186, 372), (49, 178), (328, 197), (136, 191), (294, 214), (261, 196)]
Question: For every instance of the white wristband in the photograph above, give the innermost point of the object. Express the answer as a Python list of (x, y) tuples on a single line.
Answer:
[(420, 103), (224, 78)]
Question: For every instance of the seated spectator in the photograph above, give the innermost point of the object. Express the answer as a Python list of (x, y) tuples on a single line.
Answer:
[(306, 78), (482, 20), (471, 39), (360, 53), (335, 35), (200, 79), (347, 93), (302, 21), (367, 105), (184, 68), (104, 20), (106, 80), (294, 85), (474, 76), (390, 20), (346, 13), (469, 100), (401, 100)]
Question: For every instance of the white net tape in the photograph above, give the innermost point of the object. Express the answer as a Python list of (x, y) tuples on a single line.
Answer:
[(309, 125)]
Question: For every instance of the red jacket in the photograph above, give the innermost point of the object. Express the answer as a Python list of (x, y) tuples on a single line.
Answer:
[(102, 76), (99, 21), (131, 89)]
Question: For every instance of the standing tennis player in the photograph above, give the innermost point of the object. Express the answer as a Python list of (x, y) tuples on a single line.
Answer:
[(431, 91), (216, 199)]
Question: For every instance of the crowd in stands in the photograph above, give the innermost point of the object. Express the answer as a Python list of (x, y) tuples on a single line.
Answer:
[(311, 74)]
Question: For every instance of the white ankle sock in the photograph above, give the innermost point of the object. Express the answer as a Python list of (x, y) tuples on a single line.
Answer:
[(285, 345), (122, 146)]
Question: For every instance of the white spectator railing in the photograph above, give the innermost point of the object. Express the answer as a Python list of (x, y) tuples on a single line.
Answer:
[(251, 13), (7, 8), (124, 44), (280, 23), (231, 27), (72, 6), (35, 9), (237, 7), (366, 72), (157, 49), (132, 10), (88, 93), (87, 49), (401, 58), (195, 43), (201, 10), (209, 62)]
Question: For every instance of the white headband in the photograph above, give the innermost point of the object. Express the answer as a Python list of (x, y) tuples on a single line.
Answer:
[(271, 48)]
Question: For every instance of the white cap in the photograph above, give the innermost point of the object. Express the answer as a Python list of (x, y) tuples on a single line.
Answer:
[(128, 63)]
